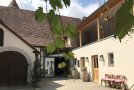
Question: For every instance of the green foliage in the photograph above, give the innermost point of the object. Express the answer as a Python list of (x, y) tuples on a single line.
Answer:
[(52, 17), (71, 55), (51, 47), (68, 55), (54, 23), (62, 65), (70, 30), (37, 72), (57, 29), (39, 15), (67, 2), (124, 20), (56, 4), (59, 43)]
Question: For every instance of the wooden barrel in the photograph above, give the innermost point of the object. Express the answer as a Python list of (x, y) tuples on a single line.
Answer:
[(75, 74), (85, 76)]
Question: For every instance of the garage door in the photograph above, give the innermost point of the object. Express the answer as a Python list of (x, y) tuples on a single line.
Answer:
[(13, 68)]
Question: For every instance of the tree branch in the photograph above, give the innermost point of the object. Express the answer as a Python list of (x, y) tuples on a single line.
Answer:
[(49, 22)]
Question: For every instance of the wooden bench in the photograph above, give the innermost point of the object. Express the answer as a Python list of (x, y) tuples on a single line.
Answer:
[(115, 81)]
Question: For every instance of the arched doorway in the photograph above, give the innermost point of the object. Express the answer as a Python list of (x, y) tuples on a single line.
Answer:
[(13, 68)]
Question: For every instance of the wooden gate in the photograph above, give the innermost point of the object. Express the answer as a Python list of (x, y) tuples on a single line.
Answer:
[(13, 69), (95, 69)]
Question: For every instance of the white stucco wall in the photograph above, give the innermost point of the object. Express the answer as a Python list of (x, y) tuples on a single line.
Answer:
[(123, 53), (13, 43), (123, 57)]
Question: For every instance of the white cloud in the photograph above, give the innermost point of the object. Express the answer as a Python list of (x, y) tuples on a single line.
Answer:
[(75, 10), (37, 3), (25, 4), (4, 2)]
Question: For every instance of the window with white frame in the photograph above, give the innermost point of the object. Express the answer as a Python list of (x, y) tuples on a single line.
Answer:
[(73, 62), (110, 59)]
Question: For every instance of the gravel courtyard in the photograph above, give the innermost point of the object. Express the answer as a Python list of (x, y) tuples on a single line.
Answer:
[(60, 83)]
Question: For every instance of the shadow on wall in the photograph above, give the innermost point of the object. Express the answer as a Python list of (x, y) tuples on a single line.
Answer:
[(89, 75)]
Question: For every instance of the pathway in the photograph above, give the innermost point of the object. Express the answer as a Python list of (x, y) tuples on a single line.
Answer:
[(58, 83)]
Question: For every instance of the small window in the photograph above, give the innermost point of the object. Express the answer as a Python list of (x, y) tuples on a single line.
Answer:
[(110, 59), (75, 61), (78, 63), (1, 37)]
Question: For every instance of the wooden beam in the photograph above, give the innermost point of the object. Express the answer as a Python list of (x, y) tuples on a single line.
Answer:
[(104, 8), (98, 28), (80, 38)]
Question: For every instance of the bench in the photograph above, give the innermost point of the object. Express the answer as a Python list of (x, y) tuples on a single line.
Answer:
[(115, 81)]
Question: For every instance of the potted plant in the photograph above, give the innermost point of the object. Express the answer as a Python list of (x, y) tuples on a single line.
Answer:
[(37, 72)]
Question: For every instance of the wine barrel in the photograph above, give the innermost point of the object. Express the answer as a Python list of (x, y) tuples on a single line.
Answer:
[(85, 75), (75, 74)]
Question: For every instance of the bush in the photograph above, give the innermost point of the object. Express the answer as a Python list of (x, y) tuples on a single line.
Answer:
[(37, 72)]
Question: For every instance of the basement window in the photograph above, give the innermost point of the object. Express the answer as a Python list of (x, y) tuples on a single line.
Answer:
[(110, 59), (1, 37)]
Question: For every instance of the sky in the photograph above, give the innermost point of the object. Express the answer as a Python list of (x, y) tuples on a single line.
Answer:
[(78, 8)]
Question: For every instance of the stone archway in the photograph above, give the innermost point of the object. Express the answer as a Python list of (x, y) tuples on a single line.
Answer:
[(13, 68)]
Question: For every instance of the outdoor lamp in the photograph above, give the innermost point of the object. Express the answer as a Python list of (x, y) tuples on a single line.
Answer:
[(106, 18), (101, 58), (87, 60)]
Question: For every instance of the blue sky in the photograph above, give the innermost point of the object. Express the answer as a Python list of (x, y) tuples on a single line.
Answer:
[(87, 2), (78, 8)]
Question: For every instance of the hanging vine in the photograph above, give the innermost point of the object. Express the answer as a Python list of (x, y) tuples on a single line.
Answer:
[(124, 19), (58, 31)]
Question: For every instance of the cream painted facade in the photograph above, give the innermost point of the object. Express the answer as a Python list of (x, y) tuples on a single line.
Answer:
[(123, 57), (122, 53), (13, 43)]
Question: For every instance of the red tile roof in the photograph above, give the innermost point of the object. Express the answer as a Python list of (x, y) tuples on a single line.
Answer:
[(23, 23)]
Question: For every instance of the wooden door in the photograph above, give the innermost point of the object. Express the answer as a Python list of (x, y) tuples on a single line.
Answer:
[(95, 68), (13, 69)]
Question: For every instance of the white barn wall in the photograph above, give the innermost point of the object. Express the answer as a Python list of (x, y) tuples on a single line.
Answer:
[(123, 53), (12, 42), (123, 57)]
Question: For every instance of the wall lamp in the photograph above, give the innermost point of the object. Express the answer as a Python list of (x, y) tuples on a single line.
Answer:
[(102, 58)]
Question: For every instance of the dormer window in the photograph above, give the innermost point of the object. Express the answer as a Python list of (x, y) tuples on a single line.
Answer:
[(1, 37)]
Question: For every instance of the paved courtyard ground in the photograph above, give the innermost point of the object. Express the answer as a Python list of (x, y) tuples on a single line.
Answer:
[(60, 83)]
